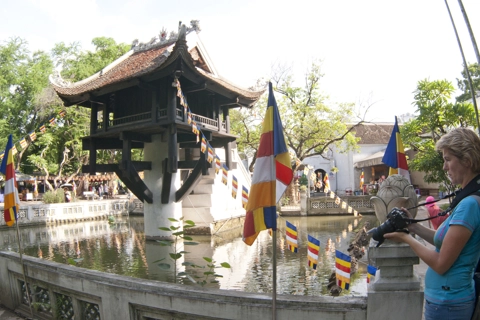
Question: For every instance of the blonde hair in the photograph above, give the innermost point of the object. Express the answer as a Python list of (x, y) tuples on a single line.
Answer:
[(464, 144)]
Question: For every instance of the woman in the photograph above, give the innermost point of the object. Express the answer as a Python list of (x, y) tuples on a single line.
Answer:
[(433, 211), (449, 286)]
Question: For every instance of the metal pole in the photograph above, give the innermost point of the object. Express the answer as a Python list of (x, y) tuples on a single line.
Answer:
[(23, 268), (274, 277), (470, 31), (472, 90)]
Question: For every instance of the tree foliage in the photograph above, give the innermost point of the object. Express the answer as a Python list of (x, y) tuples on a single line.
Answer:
[(437, 116), (311, 126), (27, 101)]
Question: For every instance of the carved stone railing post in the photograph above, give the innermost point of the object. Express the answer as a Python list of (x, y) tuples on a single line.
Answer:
[(396, 292)]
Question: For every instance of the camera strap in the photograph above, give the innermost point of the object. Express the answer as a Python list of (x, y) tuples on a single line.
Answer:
[(472, 187)]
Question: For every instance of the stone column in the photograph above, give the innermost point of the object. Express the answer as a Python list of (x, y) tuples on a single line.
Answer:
[(156, 214), (396, 292)]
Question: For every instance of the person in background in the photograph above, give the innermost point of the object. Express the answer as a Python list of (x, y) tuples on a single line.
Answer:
[(449, 285), (433, 211)]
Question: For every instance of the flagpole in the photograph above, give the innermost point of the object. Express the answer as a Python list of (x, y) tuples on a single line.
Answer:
[(274, 277), (23, 268)]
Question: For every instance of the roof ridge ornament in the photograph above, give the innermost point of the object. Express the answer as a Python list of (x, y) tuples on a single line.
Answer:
[(162, 39)]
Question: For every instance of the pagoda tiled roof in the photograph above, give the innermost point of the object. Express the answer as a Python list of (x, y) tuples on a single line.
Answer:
[(144, 61)]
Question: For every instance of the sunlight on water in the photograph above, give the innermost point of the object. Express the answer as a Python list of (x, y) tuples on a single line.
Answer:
[(120, 248)]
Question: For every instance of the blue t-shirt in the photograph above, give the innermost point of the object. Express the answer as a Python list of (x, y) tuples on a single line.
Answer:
[(457, 285)]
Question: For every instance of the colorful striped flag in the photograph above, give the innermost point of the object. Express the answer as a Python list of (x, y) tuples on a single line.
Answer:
[(313, 249), (33, 136), (244, 197), (224, 175), (343, 264), (203, 146), (198, 132), (371, 271), (14, 150), (52, 121), (326, 183), (218, 164), (23, 143), (394, 156), (234, 186), (271, 175), (11, 200), (62, 113), (42, 128), (210, 154), (291, 235), (189, 117)]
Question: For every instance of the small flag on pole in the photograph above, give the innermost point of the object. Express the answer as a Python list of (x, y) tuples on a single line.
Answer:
[(234, 186), (394, 155), (224, 175), (218, 164), (11, 200), (271, 176), (343, 264), (210, 154), (23, 143), (313, 249), (42, 128), (189, 117), (362, 180), (33, 136), (203, 146), (291, 235), (52, 121), (371, 271), (62, 113), (244, 197)]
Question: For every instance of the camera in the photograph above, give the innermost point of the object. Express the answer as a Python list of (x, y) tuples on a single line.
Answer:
[(396, 220)]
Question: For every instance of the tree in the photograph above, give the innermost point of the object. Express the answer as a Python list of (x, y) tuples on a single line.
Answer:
[(27, 101), (311, 126), (437, 116)]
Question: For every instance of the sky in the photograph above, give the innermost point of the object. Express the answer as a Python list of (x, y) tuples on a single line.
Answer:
[(372, 52)]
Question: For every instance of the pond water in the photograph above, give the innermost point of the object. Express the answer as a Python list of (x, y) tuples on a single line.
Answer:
[(119, 247)]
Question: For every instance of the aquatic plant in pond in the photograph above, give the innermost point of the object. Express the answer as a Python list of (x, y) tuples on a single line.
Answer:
[(178, 237)]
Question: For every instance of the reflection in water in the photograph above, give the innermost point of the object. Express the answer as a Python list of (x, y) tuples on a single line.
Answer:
[(120, 248)]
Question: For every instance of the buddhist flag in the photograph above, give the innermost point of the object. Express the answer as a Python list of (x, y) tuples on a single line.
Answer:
[(394, 156), (218, 164), (313, 249), (234, 187), (23, 143), (33, 136), (224, 175), (362, 180), (244, 197), (343, 264), (14, 150), (194, 127), (210, 154), (52, 121), (189, 117), (12, 201), (42, 128), (326, 183), (291, 235), (2, 155), (203, 146), (371, 271), (271, 175), (62, 113)]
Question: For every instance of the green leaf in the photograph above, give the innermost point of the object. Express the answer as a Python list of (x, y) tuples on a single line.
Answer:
[(225, 265), (164, 266), (158, 260), (175, 256), (190, 223), (164, 229), (187, 238), (173, 220), (165, 242), (190, 243), (207, 259)]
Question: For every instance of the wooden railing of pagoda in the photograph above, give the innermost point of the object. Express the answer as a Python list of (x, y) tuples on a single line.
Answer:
[(208, 123)]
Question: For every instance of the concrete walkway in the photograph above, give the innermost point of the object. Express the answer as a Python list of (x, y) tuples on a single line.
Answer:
[(8, 315)]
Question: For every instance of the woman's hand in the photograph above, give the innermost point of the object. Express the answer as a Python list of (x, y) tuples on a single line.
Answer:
[(397, 236)]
